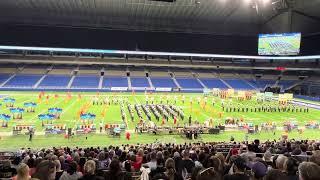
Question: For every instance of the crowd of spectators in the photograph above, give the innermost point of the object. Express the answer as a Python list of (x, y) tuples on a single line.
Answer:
[(271, 160)]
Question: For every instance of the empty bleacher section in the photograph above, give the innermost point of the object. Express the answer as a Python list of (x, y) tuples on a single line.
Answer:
[(238, 84), (109, 82), (213, 83), (189, 83), (163, 82), (55, 81), (4, 77), (286, 83), (139, 82), (23, 80), (82, 81), (262, 83)]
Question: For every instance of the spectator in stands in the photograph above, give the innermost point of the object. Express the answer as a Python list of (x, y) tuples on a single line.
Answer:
[(22, 172), (208, 174), (152, 164), (275, 174), (46, 170), (62, 163), (238, 170), (187, 163), (291, 168), (89, 171), (31, 165), (309, 171), (250, 152), (58, 169), (71, 173), (6, 170), (258, 169), (171, 170), (115, 172), (280, 162), (315, 157), (138, 159), (103, 160)]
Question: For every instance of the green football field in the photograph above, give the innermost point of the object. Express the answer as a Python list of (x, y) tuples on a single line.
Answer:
[(111, 114)]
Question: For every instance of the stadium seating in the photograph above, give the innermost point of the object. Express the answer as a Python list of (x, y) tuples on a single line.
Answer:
[(139, 82), (85, 82), (23, 81), (4, 77), (55, 81), (163, 82), (262, 83), (238, 84), (189, 83), (213, 83), (109, 82), (286, 83)]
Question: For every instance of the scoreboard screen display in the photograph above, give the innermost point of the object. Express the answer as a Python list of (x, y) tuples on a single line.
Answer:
[(279, 44)]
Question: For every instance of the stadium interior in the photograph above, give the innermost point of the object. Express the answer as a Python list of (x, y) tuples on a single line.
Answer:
[(160, 89)]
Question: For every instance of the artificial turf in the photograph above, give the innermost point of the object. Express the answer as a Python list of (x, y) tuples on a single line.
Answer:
[(110, 114)]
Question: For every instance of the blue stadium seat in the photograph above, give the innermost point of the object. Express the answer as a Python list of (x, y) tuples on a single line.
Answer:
[(4, 77), (109, 82), (287, 83), (189, 83), (213, 83), (85, 82), (55, 81), (23, 80), (139, 82), (238, 84), (261, 83), (162, 82)]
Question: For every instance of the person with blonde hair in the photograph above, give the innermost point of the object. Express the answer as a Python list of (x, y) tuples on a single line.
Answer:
[(89, 171), (22, 172)]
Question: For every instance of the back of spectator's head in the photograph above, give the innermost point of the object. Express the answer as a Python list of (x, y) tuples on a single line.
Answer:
[(220, 156), (90, 167), (291, 166), (240, 163), (115, 166), (309, 171), (72, 167), (275, 174), (153, 155), (259, 169), (170, 163), (280, 162), (101, 156), (22, 171), (186, 153), (45, 170), (267, 156), (315, 157), (208, 174), (127, 166)]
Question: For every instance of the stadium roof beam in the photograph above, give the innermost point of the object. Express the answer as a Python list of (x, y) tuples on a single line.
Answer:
[(150, 53)]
